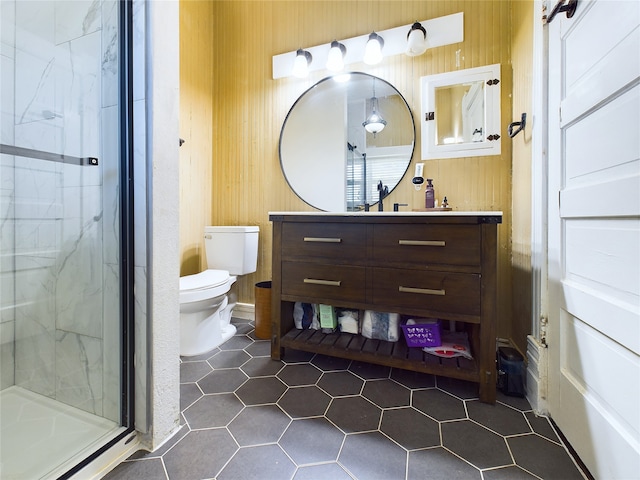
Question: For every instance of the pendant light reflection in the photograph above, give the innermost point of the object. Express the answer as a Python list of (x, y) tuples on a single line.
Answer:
[(374, 123), (416, 40), (373, 49), (301, 63), (335, 59)]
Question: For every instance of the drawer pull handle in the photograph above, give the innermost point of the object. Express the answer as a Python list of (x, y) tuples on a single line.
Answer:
[(330, 283), (323, 239), (424, 243), (424, 291)]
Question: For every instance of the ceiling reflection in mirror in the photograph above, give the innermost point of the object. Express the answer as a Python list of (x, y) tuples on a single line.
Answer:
[(328, 157)]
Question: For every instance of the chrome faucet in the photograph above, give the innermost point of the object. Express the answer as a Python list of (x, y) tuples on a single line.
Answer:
[(383, 191)]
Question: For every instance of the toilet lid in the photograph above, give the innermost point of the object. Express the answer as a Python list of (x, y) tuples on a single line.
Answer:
[(203, 280)]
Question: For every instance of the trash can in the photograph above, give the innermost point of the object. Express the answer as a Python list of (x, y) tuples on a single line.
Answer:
[(263, 310), (511, 372)]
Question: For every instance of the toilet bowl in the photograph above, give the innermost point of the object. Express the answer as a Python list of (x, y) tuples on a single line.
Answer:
[(205, 309), (204, 323)]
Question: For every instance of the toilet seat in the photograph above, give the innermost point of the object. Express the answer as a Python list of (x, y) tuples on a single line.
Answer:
[(204, 285)]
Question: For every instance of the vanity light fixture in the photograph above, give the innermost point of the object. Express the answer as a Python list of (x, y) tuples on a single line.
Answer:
[(373, 49), (335, 59), (301, 63), (416, 40), (445, 30), (374, 123)]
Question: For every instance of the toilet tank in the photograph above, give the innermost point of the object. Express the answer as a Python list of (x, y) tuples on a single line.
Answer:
[(232, 248)]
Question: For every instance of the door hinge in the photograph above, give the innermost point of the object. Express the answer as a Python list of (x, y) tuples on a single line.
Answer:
[(429, 116), (494, 81)]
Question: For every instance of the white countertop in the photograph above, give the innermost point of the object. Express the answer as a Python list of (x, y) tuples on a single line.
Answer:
[(405, 213)]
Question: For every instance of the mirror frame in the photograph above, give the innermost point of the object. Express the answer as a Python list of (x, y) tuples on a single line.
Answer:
[(309, 200), (491, 143)]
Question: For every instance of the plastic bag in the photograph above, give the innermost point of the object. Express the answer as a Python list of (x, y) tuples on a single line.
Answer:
[(454, 344), (348, 321), (381, 326), (305, 315)]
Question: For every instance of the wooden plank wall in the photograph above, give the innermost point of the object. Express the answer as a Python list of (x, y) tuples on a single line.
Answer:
[(249, 107), (522, 60), (196, 125)]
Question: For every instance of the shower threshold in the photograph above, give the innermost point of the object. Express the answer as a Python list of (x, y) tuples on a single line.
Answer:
[(41, 438)]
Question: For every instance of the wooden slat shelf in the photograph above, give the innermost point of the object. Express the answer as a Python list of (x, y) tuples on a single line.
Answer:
[(380, 352)]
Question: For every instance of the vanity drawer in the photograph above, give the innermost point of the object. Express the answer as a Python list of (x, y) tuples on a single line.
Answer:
[(331, 241), (425, 245), (314, 281), (440, 291)]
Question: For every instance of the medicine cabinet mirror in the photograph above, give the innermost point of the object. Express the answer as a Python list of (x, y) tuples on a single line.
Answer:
[(329, 159), (461, 113)]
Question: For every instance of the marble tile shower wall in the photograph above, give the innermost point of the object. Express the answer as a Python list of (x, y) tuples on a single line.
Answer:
[(59, 227), (7, 244)]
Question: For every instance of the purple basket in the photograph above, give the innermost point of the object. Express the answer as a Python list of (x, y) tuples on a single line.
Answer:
[(422, 335)]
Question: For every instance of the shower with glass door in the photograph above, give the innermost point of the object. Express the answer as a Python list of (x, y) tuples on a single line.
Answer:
[(64, 294)]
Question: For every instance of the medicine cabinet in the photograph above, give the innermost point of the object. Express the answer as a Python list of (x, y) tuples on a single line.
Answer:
[(460, 114)]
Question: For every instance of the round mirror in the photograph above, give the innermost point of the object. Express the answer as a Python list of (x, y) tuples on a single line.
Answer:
[(344, 138)]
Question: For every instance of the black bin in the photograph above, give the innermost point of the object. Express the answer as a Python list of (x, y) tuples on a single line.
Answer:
[(510, 372)]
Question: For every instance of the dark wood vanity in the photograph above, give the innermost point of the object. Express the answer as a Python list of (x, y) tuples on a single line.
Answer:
[(435, 264)]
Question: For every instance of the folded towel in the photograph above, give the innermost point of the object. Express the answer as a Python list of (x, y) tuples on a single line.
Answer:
[(381, 326)]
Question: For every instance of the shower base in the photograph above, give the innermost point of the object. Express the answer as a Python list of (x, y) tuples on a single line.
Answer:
[(41, 438)]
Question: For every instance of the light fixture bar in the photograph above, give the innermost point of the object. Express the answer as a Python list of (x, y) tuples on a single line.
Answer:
[(440, 31)]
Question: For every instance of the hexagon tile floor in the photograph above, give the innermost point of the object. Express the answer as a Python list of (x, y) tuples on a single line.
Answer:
[(315, 417)]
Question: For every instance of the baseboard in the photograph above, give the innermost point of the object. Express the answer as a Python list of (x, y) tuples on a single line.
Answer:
[(537, 375), (245, 311)]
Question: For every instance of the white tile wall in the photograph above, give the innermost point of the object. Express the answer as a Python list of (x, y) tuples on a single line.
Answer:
[(59, 334)]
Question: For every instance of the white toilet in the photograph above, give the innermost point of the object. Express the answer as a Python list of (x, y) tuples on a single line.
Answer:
[(205, 309)]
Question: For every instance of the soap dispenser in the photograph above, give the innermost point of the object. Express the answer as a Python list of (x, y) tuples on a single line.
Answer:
[(429, 196)]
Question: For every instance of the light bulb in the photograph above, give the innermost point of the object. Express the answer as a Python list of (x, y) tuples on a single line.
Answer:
[(335, 59), (373, 49), (301, 63), (416, 40)]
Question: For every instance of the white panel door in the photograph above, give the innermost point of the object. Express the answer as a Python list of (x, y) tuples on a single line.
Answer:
[(594, 234)]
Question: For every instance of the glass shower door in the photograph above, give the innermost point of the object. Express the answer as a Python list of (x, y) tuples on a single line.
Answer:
[(60, 253)]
